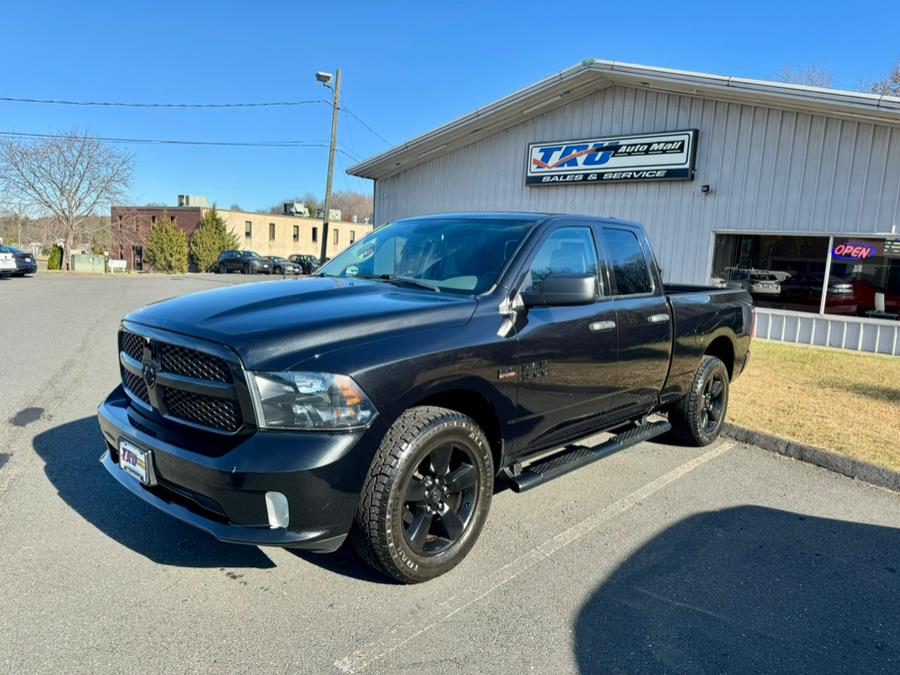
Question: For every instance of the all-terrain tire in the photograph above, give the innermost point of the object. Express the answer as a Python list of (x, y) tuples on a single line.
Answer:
[(380, 533), (698, 417)]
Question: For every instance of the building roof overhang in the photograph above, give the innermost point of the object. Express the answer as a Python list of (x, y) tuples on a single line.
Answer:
[(594, 75)]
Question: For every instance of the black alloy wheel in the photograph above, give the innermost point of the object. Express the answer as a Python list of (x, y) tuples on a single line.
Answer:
[(713, 402), (697, 418), (439, 500), (427, 495), (246, 269)]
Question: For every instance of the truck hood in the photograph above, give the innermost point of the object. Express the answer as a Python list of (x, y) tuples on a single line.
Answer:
[(276, 325)]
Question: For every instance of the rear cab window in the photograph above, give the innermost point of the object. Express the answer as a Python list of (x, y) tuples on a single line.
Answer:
[(627, 262)]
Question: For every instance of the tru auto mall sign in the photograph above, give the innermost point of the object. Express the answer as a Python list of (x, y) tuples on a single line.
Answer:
[(661, 156)]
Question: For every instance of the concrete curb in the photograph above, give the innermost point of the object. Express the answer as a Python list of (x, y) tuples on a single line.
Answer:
[(847, 466)]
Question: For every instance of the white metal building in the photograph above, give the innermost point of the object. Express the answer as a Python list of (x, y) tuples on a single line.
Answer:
[(790, 191)]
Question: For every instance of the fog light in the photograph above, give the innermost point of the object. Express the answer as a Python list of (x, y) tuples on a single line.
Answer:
[(277, 510)]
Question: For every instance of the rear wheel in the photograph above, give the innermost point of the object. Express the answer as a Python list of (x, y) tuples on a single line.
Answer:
[(697, 418), (427, 495)]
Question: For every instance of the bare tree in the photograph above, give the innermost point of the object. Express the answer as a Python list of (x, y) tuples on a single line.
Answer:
[(353, 204), (812, 76), (70, 177), (311, 202), (889, 85)]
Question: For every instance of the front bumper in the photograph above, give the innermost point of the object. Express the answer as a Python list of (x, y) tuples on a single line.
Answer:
[(321, 474)]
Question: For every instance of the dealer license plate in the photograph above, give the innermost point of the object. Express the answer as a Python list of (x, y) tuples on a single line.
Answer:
[(136, 462)]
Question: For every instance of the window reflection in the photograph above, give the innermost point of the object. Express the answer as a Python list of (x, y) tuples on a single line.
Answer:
[(789, 272)]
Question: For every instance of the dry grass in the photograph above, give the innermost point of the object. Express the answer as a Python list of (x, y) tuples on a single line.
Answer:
[(837, 400)]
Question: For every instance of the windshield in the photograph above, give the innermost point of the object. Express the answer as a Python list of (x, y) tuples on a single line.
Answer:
[(251, 254), (459, 255)]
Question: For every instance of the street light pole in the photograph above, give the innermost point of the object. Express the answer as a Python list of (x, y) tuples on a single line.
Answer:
[(335, 106)]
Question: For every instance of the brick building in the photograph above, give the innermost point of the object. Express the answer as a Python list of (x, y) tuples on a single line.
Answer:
[(265, 233)]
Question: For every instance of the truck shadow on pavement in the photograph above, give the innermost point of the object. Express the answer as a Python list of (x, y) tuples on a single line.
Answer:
[(71, 453), (749, 589)]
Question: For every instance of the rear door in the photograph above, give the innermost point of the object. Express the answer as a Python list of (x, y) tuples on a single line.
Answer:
[(567, 354), (642, 315)]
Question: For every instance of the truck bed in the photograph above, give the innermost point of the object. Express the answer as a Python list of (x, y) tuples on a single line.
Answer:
[(701, 314)]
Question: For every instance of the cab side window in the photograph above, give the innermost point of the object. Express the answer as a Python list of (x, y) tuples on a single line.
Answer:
[(568, 250), (627, 262)]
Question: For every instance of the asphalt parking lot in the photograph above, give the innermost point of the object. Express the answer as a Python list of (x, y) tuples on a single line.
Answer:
[(660, 558)]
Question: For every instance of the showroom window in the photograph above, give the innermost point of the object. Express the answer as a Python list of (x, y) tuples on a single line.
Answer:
[(789, 272)]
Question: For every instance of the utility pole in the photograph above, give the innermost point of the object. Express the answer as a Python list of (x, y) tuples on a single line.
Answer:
[(335, 107)]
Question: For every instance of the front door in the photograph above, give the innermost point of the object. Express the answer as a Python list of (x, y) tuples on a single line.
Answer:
[(567, 354)]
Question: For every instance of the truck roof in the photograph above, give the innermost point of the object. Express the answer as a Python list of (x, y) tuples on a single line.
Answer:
[(536, 216)]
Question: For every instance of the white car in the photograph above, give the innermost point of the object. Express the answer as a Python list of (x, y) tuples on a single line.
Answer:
[(764, 284), (7, 263)]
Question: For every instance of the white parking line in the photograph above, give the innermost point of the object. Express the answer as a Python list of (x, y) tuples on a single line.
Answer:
[(401, 634)]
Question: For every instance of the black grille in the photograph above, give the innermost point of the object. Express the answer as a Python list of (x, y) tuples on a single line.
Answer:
[(136, 385), (209, 411), (191, 363), (131, 344), (174, 402)]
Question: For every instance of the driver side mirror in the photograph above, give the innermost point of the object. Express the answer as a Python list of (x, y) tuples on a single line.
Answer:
[(563, 290)]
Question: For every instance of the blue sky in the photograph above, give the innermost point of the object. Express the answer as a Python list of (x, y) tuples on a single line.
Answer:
[(408, 67)]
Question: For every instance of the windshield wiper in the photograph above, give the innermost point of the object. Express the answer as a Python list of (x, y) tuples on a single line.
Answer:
[(400, 281)]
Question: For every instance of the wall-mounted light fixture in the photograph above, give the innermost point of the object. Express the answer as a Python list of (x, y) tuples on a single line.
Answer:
[(704, 189)]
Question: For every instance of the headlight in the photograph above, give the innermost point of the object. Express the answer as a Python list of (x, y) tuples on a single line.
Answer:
[(322, 401)]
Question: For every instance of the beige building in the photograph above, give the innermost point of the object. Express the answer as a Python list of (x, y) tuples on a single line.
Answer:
[(265, 233), (277, 234)]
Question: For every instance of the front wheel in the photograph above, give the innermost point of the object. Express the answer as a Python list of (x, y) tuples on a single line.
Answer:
[(427, 495), (245, 269), (697, 418)]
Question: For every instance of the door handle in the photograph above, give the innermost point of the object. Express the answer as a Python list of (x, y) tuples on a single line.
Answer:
[(658, 318), (601, 326)]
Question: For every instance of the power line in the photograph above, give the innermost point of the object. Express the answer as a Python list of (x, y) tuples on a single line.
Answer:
[(361, 121), (158, 141), (133, 104), (126, 104)]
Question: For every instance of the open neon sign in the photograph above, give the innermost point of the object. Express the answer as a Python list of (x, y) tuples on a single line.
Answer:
[(854, 251)]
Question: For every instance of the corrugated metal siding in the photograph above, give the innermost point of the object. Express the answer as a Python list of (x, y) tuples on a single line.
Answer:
[(844, 332), (769, 170)]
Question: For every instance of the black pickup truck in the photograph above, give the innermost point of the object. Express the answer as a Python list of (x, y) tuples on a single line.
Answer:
[(382, 397)]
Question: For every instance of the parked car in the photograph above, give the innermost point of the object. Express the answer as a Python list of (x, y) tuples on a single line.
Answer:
[(245, 262), (308, 263), (381, 397), (806, 289), (7, 263), (761, 283), (758, 283), (25, 262), (283, 266)]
